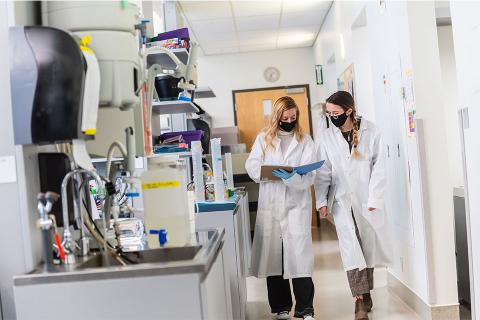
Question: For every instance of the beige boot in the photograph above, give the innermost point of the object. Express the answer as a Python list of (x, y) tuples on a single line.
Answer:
[(360, 310)]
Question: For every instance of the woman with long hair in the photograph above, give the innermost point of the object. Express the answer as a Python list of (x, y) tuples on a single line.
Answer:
[(354, 175), (282, 244)]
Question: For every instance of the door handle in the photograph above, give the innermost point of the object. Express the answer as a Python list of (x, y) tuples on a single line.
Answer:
[(388, 151), (398, 148)]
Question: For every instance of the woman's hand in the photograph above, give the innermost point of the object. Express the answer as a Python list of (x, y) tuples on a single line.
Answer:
[(372, 209), (323, 212)]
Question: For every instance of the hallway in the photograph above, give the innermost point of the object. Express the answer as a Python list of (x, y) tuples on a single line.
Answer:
[(332, 296)]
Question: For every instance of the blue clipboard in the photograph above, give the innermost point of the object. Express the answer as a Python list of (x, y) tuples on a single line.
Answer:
[(309, 167)]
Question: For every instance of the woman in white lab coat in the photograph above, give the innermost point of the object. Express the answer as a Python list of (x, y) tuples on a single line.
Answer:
[(282, 245), (354, 175)]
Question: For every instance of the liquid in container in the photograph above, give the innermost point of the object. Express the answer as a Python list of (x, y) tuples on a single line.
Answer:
[(166, 201)]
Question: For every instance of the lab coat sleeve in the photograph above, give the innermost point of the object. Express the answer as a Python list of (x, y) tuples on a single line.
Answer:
[(377, 185), (255, 160), (305, 181), (323, 178)]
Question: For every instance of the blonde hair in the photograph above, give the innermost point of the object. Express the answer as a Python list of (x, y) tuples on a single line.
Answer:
[(345, 100), (280, 106)]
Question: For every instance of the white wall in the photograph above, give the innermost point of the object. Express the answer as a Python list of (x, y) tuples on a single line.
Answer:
[(467, 49), (224, 73), (20, 243), (395, 38), (450, 98)]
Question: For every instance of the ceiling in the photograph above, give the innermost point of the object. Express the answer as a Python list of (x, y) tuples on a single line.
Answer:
[(222, 27)]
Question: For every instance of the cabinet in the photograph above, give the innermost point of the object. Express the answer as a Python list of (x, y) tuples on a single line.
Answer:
[(236, 250)]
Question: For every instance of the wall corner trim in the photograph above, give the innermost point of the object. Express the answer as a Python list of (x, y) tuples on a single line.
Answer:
[(423, 309)]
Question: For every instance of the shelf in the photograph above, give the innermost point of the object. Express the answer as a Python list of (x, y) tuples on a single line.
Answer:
[(173, 107), (101, 160), (162, 59), (204, 92), (180, 154)]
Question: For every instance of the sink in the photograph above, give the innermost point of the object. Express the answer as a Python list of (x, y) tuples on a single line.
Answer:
[(144, 256)]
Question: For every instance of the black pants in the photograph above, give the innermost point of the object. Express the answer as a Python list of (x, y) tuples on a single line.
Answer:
[(280, 296)]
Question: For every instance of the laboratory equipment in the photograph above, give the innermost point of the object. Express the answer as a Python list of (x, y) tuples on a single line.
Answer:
[(68, 243), (165, 201), (229, 168), (46, 224), (91, 90), (91, 15), (166, 88), (198, 171), (106, 23), (40, 103), (217, 167)]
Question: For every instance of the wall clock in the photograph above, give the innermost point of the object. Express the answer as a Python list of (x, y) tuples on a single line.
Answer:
[(271, 74)]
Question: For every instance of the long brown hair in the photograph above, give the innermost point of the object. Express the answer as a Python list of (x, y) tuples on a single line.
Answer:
[(282, 104), (344, 100)]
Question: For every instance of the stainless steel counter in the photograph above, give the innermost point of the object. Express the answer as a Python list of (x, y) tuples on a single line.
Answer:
[(205, 247)]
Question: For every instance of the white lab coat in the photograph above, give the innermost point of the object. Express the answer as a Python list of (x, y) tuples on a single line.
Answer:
[(284, 211), (359, 184)]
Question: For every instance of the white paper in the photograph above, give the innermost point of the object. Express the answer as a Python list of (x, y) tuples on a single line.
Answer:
[(80, 155), (8, 169), (267, 107)]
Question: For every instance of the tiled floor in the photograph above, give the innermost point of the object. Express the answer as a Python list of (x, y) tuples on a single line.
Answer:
[(332, 297)]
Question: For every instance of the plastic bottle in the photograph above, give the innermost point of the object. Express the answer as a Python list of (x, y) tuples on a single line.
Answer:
[(166, 201), (184, 95)]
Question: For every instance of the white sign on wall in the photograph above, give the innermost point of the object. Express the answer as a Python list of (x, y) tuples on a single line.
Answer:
[(267, 107), (8, 170)]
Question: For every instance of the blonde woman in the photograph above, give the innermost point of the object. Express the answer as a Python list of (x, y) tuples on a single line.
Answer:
[(355, 167), (282, 245)]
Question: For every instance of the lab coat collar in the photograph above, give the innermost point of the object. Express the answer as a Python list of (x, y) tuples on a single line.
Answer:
[(292, 146), (341, 140), (290, 149), (363, 124)]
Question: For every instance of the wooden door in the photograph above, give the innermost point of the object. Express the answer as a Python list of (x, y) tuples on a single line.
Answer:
[(252, 111)]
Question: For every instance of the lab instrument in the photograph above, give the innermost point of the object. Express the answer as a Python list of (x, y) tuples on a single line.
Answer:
[(165, 201), (217, 169)]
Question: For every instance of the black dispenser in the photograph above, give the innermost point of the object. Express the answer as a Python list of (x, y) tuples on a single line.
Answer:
[(47, 73)]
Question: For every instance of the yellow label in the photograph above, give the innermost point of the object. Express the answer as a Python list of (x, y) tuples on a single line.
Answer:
[(85, 41), (90, 132), (86, 49), (161, 184)]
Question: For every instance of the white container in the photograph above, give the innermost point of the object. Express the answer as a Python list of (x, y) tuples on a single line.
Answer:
[(166, 201), (120, 67), (198, 171), (215, 146), (91, 15)]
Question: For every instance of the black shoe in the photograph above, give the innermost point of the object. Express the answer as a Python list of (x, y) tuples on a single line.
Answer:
[(367, 300)]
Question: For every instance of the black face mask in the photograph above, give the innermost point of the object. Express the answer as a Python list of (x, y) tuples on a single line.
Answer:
[(340, 121), (287, 126)]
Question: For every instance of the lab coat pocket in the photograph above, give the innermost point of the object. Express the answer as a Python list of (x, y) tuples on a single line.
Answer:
[(375, 218)]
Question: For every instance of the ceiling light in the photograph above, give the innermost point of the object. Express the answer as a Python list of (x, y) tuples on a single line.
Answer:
[(293, 38)]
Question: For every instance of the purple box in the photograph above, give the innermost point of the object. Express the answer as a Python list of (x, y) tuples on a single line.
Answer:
[(179, 33), (188, 136)]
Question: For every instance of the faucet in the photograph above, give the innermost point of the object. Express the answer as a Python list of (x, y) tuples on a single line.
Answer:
[(68, 242), (45, 223)]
